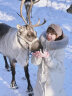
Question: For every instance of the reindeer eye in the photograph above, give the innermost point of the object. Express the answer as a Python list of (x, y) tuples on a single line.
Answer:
[(29, 35), (20, 32)]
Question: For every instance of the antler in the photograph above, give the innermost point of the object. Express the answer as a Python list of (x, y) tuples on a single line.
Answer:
[(21, 6), (29, 12), (38, 23)]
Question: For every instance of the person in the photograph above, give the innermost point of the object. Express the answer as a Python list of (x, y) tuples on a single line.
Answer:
[(50, 61)]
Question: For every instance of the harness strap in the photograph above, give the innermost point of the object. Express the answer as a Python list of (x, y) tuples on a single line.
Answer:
[(29, 43)]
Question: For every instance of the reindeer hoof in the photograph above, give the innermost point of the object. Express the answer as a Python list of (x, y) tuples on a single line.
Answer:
[(8, 69), (14, 85), (29, 89), (30, 93)]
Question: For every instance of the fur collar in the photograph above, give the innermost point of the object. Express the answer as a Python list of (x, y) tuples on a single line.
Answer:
[(53, 45)]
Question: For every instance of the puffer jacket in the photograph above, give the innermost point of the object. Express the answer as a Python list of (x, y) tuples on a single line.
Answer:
[(51, 71)]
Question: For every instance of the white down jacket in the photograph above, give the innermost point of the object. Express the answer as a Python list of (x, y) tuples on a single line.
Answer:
[(51, 71)]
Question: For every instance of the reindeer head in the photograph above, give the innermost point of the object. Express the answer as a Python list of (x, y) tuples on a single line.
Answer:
[(27, 33), (69, 10)]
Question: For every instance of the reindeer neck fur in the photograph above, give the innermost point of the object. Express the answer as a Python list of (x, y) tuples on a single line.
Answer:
[(9, 45)]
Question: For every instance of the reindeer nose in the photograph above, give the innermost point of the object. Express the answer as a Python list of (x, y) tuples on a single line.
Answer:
[(36, 46), (67, 10)]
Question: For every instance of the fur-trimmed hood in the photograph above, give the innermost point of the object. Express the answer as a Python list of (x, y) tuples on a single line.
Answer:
[(53, 45)]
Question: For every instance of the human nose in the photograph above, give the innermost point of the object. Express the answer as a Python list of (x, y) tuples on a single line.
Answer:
[(49, 34)]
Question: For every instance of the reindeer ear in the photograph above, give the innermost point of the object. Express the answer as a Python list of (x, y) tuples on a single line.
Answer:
[(18, 26)]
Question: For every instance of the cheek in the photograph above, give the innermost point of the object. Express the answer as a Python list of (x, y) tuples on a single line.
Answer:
[(53, 37)]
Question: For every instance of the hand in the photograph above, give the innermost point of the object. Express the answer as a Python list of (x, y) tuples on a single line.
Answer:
[(45, 54), (38, 54)]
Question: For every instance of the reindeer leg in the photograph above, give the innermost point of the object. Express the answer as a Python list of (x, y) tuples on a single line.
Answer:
[(6, 63), (28, 78), (13, 82)]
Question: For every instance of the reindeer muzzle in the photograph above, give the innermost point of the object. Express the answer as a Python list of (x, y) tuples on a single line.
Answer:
[(31, 44), (36, 46)]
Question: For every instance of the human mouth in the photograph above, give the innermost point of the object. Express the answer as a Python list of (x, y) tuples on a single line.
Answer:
[(49, 38)]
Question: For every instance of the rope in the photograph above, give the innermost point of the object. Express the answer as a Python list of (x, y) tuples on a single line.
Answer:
[(29, 43)]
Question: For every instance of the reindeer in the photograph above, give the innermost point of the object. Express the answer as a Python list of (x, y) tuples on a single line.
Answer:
[(27, 6), (69, 10), (15, 43)]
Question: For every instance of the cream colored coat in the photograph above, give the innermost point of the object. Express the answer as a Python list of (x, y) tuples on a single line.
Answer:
[(51, 71)]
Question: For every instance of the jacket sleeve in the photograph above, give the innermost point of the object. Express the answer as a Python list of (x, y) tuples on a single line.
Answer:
[(55, 59), (35, 60)]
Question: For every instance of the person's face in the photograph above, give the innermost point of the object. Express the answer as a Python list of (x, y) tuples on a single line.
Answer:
[(51, 36)]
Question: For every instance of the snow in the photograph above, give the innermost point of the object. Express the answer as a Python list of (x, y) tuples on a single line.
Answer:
[(54, 11)]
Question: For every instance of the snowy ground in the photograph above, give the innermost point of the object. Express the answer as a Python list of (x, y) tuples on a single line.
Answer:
[(54, 12)]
